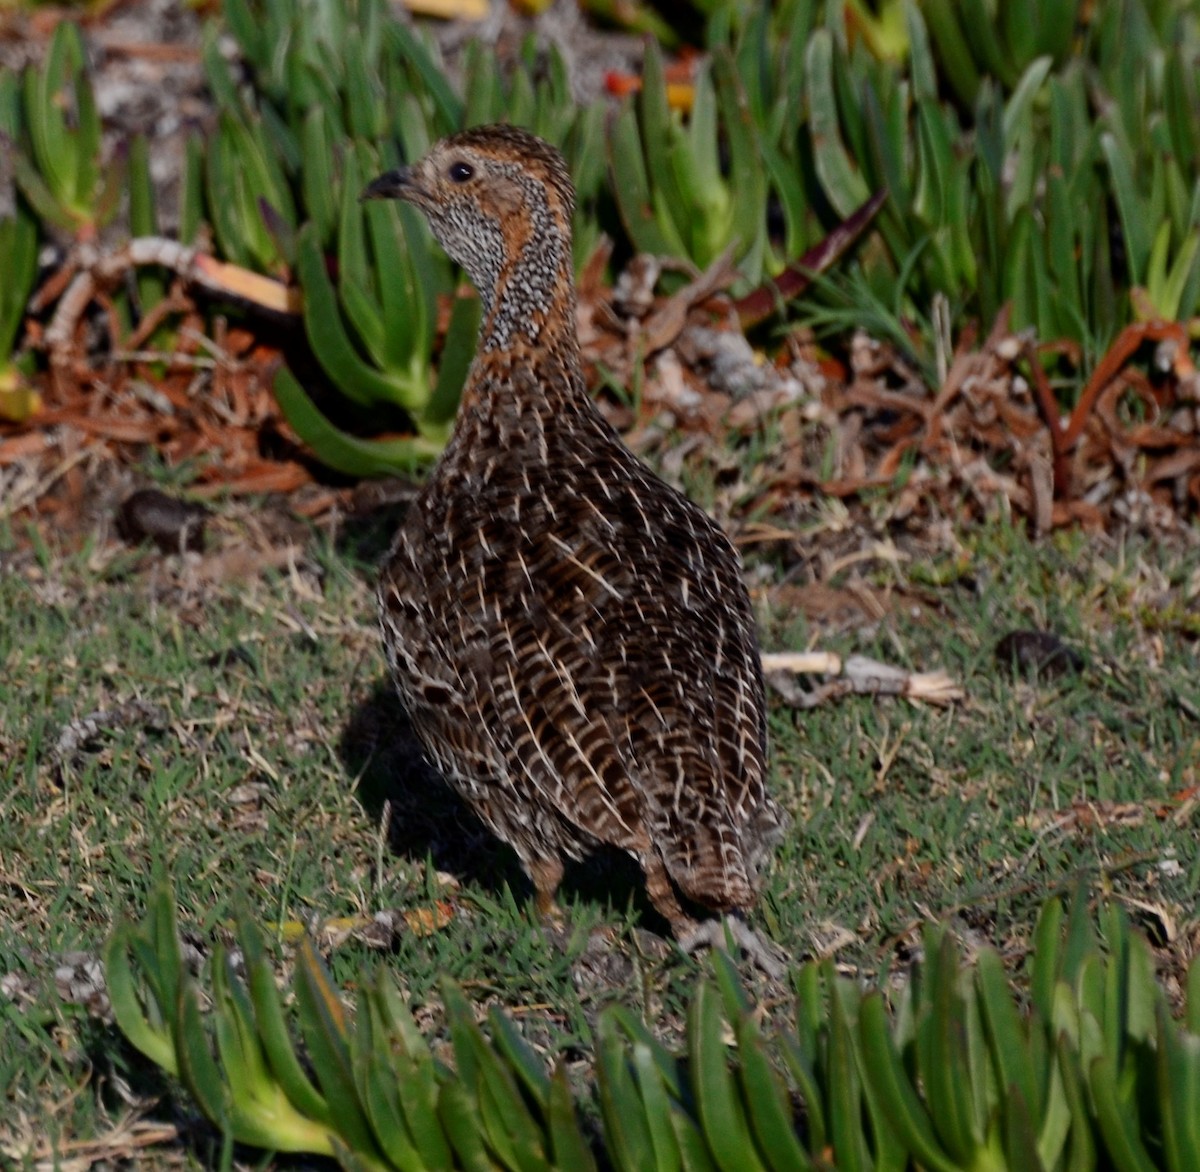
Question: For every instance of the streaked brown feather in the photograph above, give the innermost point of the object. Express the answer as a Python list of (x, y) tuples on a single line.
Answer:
[(571, 636)]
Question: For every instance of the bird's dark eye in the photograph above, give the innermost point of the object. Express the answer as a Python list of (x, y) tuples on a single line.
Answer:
[(460, 172)]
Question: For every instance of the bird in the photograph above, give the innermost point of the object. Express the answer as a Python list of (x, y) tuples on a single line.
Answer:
[(571, 637)]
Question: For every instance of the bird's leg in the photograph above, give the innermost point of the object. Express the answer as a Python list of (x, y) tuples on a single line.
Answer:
[(661, 891), (546, 874), (691, 934)]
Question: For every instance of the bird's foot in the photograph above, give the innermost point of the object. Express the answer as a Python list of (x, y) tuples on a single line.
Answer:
[(555, 924), (717, 933)]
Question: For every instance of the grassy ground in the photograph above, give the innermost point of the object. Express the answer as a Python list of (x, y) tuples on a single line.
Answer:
[(268, 768)]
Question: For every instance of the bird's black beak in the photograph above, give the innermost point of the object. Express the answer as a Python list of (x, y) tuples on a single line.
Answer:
[(390, 185)]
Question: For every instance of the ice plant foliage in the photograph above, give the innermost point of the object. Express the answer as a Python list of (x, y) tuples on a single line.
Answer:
[(1088, 1070), (982, 128)]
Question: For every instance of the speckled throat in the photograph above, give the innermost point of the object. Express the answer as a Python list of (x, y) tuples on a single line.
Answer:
[(522, 295)]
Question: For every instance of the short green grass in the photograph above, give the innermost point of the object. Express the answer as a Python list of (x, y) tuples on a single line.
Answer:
[(278, 778)]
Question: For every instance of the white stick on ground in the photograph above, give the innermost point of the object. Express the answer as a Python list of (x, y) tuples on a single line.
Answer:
[(857, 675)]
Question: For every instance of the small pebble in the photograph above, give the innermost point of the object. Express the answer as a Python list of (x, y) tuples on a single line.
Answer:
[(1037, 652), (172, 524)]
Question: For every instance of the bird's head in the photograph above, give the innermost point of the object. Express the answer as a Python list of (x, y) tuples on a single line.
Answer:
[(498, 199)]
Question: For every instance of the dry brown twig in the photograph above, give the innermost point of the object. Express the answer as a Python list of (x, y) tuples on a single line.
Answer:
[(128, 1137), (858, 674), (95, 272)]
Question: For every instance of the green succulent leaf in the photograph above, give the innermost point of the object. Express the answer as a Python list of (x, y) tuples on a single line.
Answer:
[(326, 1034), (144, 1023), (747, 214), (520, 1058), (844, 1092), (191, 191), (259, 1111), (243, 174), (143, 221), (621, 1104), (391, 1082), (356, 378), (249, 31), (462, 1122), (48, 92), (454, 364), (842, 182), (318, 177), (621, 1021), (197, 1068), (1080, 1145), (61, 174), (946, 1068), (1045, 957), (656, 1106), (1020, 1141), (1179, 1092), (1134, 228), (883, 1068), (631, 186), (420, 58), (365, 99), (349, 453), (1117, 1125), (721, 1111), (569, 1147), (378, 1078), (767, 1105), (1032, 1099), (10, 108), (18, 259), (954, 52), (800, 1067), (511, 1133), (272, 1030)]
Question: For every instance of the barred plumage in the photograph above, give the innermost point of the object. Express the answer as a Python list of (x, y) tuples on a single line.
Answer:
[(571, 636)]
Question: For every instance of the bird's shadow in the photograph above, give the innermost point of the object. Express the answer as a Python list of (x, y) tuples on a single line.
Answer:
[(429, 821)]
